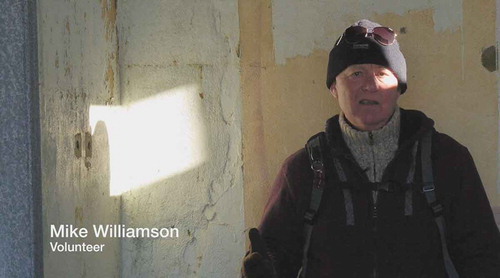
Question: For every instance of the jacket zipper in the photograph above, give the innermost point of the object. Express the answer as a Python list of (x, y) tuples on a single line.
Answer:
[(374, 196), (374, 229), (374, 211), (375, 192)]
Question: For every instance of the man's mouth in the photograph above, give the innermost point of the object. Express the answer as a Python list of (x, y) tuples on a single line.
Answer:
[(368, 102)]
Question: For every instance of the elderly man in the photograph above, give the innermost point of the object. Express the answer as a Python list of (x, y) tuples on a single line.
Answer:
[(380, 193)]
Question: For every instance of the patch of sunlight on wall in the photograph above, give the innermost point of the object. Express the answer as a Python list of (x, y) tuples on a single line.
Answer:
[(154, 138)]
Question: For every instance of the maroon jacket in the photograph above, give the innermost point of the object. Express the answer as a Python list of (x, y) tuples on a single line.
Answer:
[(391, 245)]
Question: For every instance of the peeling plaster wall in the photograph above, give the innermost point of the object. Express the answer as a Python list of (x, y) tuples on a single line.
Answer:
[(156, 84), (284, 54), (165, 48), (300, 27), (77, 63)]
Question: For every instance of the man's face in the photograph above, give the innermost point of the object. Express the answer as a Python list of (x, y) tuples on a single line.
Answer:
[(367, 94)]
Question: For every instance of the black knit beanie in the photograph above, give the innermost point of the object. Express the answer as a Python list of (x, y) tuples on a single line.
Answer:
[(366, 51)]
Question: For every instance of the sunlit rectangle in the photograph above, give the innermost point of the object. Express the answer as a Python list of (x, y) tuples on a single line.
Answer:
[(154, 138)]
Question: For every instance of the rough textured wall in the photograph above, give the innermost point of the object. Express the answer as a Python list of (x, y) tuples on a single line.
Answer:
[(498, 89), (285, 46), (283, 104), (182, 52), (77, 46), (20, 185)]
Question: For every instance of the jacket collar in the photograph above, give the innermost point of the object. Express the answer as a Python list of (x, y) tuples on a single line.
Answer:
[(413, 126)]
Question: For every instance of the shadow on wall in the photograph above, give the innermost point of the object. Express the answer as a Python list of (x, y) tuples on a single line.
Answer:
[(154, 138), (83, 200), (97, 203)]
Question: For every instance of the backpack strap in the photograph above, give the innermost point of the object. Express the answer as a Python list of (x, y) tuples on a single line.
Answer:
[(436, 206), (409, 182), (314, 148), (346, 191)]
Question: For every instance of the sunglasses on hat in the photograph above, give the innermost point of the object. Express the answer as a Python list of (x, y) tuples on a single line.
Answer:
[(383, 35)]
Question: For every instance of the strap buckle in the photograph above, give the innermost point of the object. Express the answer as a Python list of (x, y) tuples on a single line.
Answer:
[(428, 187), (317, 166), (309, 216), (437, 209)]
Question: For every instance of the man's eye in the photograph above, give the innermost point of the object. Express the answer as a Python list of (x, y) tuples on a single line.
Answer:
[(383, 73), (356, 73)]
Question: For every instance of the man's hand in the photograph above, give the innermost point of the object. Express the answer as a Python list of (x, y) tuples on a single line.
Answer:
[(257, 263)]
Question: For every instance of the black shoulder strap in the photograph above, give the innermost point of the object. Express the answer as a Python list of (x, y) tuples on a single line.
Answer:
[(437, 208), (314, 147)]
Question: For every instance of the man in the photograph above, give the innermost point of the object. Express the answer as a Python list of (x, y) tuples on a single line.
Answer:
[(379, 213)]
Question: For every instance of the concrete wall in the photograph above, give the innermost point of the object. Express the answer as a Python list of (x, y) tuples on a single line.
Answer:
[(498, 89), (285, 46), (183, 52), (156, 84), (20, 184), (78, 50)]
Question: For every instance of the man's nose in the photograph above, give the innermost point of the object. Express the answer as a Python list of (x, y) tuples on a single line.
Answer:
[(371, 83)]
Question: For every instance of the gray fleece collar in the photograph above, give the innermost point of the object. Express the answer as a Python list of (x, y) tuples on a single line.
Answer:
[(373, 150)]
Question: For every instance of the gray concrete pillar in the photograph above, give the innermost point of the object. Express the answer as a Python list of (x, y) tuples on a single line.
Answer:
[(20, 175)]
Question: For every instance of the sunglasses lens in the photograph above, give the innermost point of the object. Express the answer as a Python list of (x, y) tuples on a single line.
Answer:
[(354, 33), (384, 35)]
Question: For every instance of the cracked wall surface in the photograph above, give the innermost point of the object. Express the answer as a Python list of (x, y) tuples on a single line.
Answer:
[(166, 46), (155, 86), (77, 64), (285, 46)]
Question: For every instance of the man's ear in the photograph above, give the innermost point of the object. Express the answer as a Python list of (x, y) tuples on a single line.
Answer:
[(333, 90)]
